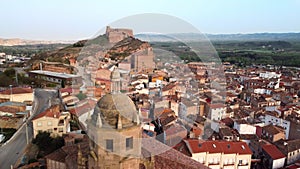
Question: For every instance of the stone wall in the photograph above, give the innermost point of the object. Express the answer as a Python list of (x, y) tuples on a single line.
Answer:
[(116, 35)]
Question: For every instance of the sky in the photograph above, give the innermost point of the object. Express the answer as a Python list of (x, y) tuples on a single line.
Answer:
[(79, 19)]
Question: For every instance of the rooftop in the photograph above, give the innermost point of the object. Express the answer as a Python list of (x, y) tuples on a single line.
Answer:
[(272, 129), (16, 90), (214, 146), (50, 112), (54, 74), (273, 151)]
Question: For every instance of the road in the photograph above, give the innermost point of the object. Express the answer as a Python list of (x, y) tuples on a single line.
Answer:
[(13, 150)]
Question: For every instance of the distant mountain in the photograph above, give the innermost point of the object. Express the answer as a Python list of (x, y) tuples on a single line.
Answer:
[(17, 41), (219, 37)]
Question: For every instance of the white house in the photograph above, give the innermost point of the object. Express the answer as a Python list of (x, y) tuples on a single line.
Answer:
[(216, 111), (274, 157), (276, 121), (243, 127), (269, 75)]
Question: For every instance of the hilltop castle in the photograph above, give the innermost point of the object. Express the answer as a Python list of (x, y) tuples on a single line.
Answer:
[(116, 35)]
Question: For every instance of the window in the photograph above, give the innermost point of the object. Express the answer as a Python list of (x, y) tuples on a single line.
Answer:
[(109, 145), (50, 130), (60, 130), (49, 123), (129, 143), (201, 160), (39, 124)]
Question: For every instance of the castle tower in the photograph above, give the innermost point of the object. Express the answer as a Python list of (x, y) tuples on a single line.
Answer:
[(115, 130)]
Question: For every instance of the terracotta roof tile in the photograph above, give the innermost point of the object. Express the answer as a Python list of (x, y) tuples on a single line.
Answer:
[(273, 151), (16, 90), (216, 106), (50, 112), (214, 146)]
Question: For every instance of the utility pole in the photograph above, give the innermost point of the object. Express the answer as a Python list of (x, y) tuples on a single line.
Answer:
[(16, 74), (10, 86), (26, 128)]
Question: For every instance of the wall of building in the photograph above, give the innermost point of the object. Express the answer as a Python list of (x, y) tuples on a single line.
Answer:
[(18, 97), (279, 163), (49, 124), (212, 158), (112, 159), (278, 122), (293, 156), (142, 59), (246, 161), (245, 128), (55, 164), (216, 114)]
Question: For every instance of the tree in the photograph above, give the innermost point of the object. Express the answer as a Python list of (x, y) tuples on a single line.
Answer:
[(42, 140), (81, 96), (5, 80), (46, 143), (10, 72)]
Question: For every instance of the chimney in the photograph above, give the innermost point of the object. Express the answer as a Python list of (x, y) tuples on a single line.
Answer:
[(41, 66)]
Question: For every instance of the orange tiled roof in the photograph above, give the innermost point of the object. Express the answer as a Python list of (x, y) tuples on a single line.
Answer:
[(214, 146), (216, 105), (50, 112), (273, 151)]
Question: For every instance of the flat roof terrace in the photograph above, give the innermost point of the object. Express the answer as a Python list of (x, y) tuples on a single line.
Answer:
[(55, 74)]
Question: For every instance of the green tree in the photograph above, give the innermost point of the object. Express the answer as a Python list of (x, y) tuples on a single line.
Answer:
[(46, 143), (10, 72), (5, 80), (42, 140), (81, 96)]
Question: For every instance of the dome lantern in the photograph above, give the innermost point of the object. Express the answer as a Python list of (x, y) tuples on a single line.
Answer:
[(115, 81)]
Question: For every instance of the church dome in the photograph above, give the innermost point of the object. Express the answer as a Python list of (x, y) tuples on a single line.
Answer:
[(115, 110), (114, 107)]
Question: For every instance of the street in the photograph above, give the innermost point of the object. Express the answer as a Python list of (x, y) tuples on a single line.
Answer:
[(13, 150)]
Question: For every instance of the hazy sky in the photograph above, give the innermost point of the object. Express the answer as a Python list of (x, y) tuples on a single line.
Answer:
[(78, 19)]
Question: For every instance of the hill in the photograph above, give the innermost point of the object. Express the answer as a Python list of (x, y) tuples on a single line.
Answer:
[(220, 37), (18, 42)]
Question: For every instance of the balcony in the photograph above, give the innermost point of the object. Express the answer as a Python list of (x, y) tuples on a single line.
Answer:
[(214, 166), (231, 166), (243, 167)]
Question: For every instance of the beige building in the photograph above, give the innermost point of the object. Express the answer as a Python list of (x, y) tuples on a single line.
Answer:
[(53, 121), (220, 154), (17, 95), (273, 133)]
